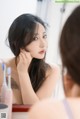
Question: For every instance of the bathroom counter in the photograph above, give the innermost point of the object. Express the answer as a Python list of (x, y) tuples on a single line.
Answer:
[(20, 111)]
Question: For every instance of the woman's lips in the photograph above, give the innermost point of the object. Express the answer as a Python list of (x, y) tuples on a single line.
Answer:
[(42, 52)]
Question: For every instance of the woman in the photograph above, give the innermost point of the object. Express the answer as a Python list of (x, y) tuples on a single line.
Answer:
[(68, 108), (32, 78)]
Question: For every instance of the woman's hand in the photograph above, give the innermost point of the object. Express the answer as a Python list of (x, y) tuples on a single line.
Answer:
[(23, 61)]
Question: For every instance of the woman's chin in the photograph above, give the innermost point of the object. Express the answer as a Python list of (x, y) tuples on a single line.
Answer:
[(39, 57)]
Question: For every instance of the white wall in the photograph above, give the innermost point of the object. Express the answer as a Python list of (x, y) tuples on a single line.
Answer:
[(9, 10), (56, 20)]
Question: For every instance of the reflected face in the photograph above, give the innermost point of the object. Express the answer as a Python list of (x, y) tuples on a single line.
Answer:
[(38, 46)]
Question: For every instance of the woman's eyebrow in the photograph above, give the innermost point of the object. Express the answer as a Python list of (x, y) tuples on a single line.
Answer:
[(35, 34), (44, 32)]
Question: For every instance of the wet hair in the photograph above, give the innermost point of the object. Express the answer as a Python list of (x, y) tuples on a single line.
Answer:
[(70, 45), (20, 35)]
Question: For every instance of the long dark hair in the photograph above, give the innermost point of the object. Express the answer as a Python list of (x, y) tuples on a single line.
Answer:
[(20, 35), (70, 45)]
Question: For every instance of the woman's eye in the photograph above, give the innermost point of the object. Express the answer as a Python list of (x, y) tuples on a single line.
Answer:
[(35, 38), (45, 36)]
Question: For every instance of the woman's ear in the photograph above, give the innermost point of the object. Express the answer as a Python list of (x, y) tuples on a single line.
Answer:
[(68, 82), (71, 88), (75, 90)]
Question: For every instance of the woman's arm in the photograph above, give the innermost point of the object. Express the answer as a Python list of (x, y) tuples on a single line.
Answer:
[(47, 88), (45, 91), (28, 94)]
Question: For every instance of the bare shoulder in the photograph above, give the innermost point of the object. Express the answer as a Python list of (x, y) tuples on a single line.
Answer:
[(53, 70), (54, 109), (47, 109), (9, 61)]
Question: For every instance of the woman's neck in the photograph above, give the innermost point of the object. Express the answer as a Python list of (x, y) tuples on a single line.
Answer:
[(74, 91)]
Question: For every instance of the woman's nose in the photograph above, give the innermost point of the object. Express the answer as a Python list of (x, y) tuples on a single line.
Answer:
[(42, 43)]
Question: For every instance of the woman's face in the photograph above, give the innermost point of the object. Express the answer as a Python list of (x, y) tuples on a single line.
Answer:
[(38, 46)]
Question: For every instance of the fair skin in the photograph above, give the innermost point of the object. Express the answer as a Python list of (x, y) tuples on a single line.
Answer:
[(70, 87), (36, 49), (54, 109)]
